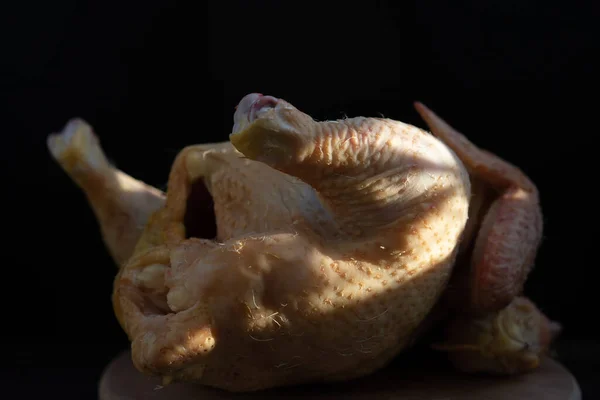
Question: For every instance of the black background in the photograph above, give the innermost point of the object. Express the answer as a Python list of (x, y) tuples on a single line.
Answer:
[(517, 77)]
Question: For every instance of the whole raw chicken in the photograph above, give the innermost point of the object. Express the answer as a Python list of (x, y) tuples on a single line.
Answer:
[(304, 251)]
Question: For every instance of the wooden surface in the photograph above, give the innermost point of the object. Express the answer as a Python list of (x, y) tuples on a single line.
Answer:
[(420, 381)]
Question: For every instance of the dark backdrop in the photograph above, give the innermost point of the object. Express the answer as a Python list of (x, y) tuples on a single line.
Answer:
[(518, 77)]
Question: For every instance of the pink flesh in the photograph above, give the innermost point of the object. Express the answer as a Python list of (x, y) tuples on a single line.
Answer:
[(254, 102), (505, 249)]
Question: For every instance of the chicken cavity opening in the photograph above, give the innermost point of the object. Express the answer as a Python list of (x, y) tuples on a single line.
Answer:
[(200, 220), (153, 294)]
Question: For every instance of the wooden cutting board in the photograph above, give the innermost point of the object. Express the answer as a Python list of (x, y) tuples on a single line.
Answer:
[(421, 381)]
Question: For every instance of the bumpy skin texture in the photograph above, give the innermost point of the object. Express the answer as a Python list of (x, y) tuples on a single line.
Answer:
[(334, 242), (505, 224)]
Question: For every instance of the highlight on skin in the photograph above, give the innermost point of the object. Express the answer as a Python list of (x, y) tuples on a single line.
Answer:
[(255, 272)]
